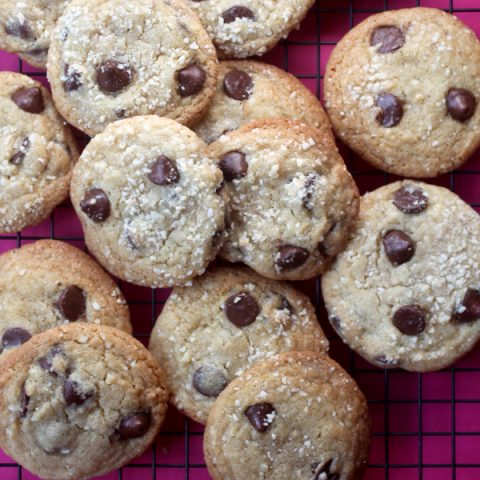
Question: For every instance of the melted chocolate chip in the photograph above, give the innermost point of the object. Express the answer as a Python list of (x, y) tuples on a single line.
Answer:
[(389, 38), (19, 156), (71, 79), (410, 199), (260, 416), (461, 104), (14, 337), (46, 362), (96, 205), (241, 309), (209, 380), (24, 401), (469, 309), (289, 257), (399, 247), (236, 12), (29, 100), (72, 303), (164, 171), (409, 319), (190, 80), (391, 110), (73, 393), (238, 85), (114, 76), (135, 425), (19, 29), (234, 165), (308, 190)]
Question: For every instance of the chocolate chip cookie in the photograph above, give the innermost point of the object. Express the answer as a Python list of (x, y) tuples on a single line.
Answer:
[(146, 194), (113, 59), (79, 400), (209, 333), (402, 90), (292, 201), (37, 153), (248, 90), (50, 283), (296, 416), (250, 27), (26, 27), (405, 293)]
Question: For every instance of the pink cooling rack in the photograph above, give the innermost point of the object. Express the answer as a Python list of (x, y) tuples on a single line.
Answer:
[(425, 426)]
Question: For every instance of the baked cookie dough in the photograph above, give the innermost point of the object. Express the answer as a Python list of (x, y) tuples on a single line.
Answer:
[(296, 416), (79, 400), (113, 59), (37, 153), (26, 27), (402, 90), (50, 283), (406, 291), (291, 200), (249, 90), (231, 318), (146, 194), (250, 28)]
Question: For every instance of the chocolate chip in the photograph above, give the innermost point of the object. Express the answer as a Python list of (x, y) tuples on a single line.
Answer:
[(236, 12), (409, 319), (19, 156), (71, 79), (389, 38), (260, 416), (461, 104), (113, 76), (391, 110), (383, 361), (24, 401), (46, 362), (309, 190), (399, 247), (209, 380), (96, 205), (410, 199), (241, 309), (164, 171), (19, 29), (14, 337), (238, 85), (234, 165), (73, 393), (29, 100), (289, 257), (135, 425), (469, 309), (72, 303), (190, 80)]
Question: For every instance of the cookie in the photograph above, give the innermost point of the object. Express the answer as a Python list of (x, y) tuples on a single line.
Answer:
[(79, 400), (292, 201), (230, 318), (37, 153), (26, 27), (249, 90), (113, 59), (252, 28), (50, 283), (405, 293), (402, 90), (296, 416), (145, 192)]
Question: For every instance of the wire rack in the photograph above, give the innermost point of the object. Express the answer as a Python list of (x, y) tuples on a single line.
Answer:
[(425, 426)]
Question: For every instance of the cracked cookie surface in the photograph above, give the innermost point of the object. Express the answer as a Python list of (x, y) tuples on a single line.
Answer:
[(49, 283), (37, 153), (405, 292), (296, 416), (229, 319), (113, 59), (79, 400)]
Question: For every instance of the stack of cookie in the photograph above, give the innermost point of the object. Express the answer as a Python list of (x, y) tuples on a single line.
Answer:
[(257, 179)]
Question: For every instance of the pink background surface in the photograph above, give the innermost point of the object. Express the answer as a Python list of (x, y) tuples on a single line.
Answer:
[(425, 426)]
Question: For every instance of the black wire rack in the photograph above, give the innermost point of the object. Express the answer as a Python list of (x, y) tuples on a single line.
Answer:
[(425, 426)]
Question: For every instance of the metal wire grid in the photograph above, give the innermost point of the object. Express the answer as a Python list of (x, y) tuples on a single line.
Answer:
[(386, 469)]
